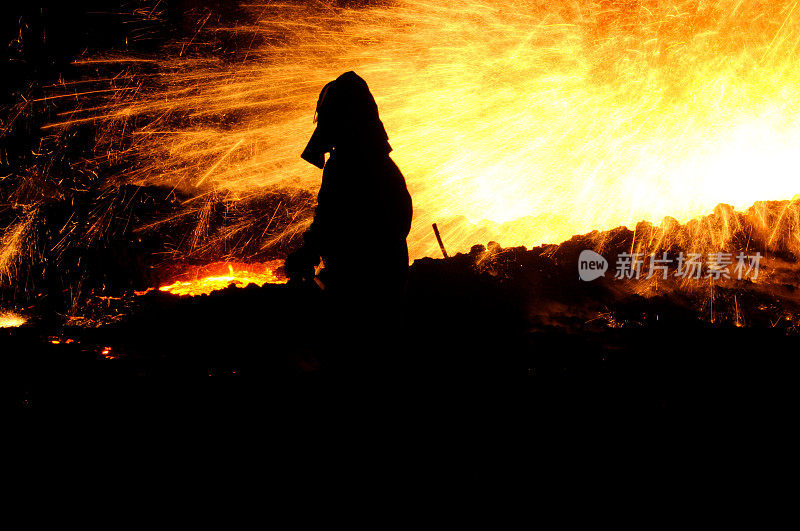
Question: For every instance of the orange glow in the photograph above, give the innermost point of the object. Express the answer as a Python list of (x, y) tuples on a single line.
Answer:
[(516, 120), (220, 275)]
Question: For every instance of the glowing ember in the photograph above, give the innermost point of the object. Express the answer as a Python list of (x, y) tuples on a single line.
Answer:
[(11, 320), (209, 278)]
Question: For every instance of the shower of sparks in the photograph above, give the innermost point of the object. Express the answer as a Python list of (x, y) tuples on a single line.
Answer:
[(11, 320), (14, 243), (523, 121)]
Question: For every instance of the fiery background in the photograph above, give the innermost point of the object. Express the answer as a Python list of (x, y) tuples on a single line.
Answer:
[(523, 122)]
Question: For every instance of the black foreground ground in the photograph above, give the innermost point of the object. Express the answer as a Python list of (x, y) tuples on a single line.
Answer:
[(472, 321)]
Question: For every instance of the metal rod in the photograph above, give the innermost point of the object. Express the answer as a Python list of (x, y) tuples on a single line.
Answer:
[(439, 239)]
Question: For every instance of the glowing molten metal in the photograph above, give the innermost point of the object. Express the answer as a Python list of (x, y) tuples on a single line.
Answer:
[(221, 275)]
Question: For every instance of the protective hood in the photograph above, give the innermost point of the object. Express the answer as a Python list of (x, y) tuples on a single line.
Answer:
[(347, 121)]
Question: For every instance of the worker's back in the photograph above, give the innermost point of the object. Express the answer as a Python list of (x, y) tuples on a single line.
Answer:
[(362, 221)]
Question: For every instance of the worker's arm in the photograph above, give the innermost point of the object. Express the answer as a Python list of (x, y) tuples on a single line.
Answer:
[(300, 264)]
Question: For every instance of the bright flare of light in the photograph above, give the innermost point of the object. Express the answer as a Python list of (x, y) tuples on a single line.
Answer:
[(533, 119)]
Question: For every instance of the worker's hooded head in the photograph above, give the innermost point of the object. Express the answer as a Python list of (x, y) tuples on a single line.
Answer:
[(347, 121)]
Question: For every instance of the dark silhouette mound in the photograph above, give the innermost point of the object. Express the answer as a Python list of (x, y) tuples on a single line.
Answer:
[(361, 222)]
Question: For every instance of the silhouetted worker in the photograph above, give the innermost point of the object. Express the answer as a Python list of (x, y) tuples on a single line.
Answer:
[(362, 218)]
